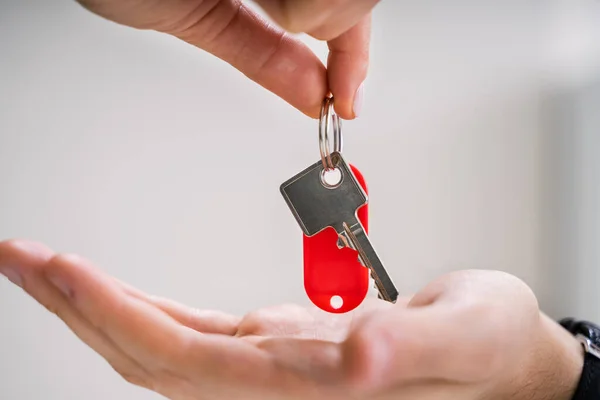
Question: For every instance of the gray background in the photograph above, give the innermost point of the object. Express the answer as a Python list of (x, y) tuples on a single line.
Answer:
[(480, 140)]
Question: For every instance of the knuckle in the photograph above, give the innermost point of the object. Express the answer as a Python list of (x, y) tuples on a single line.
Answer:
[(10, 245), (27, 253)]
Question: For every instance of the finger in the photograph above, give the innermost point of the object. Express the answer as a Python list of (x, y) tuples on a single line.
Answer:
[(28, 260), (150, 336), (317, 359), (347, 67), (284, 320), (145, 333), (264, 53), (204, 321), (294, 321)]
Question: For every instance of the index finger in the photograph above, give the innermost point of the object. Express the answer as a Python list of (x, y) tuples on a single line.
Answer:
[(143, 331), (261, 51)]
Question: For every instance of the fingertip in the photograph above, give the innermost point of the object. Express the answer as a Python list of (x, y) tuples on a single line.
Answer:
[(19, 258), (350, 107), (22, 250), (348, 101), (341, 109)]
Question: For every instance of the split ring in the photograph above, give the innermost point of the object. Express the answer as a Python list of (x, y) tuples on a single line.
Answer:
[(329, 119)]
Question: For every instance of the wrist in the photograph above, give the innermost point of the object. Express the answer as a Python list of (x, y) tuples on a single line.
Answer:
[(560, 362)]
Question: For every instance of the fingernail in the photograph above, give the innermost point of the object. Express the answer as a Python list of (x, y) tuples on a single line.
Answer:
[(358, 100), (12, 275), (61, 285)]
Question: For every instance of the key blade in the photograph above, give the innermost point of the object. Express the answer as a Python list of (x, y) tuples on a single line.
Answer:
[(361, 243), (317, 206)]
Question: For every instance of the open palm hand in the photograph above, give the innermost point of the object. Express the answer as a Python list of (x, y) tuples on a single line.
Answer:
[(468, 335)]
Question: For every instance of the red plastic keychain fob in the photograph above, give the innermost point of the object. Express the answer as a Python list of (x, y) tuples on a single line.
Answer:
[(334, 278)]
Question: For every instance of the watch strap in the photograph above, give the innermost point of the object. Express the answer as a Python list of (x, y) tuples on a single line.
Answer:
[(588, 334)]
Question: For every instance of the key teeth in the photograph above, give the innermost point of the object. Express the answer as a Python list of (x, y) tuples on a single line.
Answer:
[(372, 275), (374, 278)]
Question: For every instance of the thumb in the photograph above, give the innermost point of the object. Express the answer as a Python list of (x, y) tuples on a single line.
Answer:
[(405, 345)]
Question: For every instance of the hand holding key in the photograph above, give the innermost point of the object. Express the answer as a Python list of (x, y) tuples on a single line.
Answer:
[(473, 335), (232, 31)]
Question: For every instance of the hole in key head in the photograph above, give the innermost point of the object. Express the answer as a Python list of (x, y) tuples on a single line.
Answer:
[(336, 302), (331, 178)]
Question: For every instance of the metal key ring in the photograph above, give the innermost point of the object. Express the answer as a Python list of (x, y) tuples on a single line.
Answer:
[(328, 116)]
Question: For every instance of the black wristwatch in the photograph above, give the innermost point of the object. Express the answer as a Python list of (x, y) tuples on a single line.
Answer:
[(588, 335)]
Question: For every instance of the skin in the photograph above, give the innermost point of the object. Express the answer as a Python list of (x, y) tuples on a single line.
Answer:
[(470, 335), (266, 53)]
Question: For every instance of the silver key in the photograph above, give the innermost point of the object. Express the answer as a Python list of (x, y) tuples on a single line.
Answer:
[(318, 205)]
